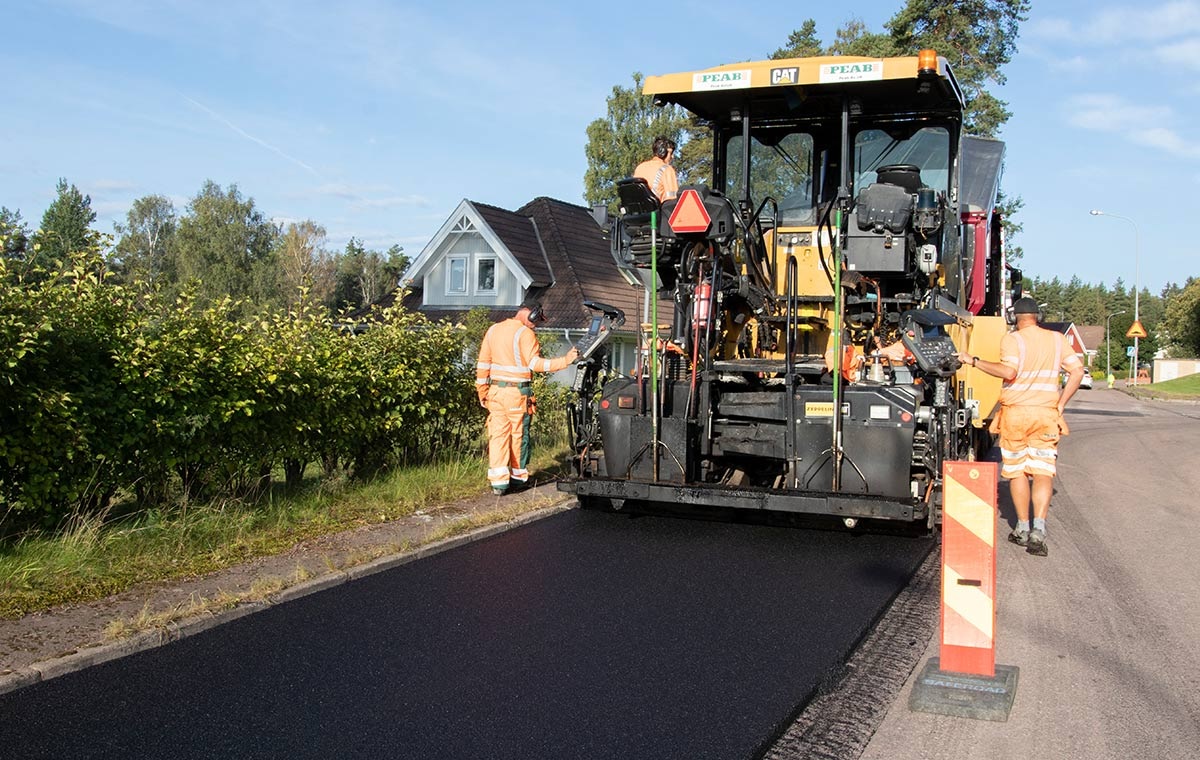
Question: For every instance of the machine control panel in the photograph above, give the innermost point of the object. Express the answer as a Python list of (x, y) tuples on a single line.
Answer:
[(604, 320), (596, 335), (924, 334)]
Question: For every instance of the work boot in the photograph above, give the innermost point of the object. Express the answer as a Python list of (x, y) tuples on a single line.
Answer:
[(499, 491), (1037, 543), (1019, 537)]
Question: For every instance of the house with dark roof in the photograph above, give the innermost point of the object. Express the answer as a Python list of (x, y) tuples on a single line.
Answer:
[(1092, 338), (1084, 339), (557, 252)]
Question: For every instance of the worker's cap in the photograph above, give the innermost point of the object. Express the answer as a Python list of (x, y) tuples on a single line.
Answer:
[(536, 312), (1025, 305)]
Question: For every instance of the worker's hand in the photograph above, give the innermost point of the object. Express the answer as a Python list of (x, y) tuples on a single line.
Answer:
[(965, 358), (483, 391), (573, 354)]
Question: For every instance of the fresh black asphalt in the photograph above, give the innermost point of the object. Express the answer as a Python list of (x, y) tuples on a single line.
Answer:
[(583, 635)]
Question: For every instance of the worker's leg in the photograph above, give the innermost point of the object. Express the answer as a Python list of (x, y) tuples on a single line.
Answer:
[(1018, 489), (1014, 453), (499, 429), (1043, 489), (1042, 464), (516, 426)]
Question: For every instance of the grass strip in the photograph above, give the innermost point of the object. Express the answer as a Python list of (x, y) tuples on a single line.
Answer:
[(92, 558)]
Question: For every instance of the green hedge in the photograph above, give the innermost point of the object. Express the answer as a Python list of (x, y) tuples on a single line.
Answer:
[(107, 388)]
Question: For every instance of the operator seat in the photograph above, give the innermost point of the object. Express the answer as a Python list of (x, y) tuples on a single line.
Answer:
[(907, 176), (638, 202)]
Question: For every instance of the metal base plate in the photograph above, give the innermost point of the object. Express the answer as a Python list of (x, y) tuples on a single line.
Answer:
[(963, 695)]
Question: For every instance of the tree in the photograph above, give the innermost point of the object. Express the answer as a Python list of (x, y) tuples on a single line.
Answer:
[(226, 246), (978, 37), (66, 227), (621, 140), (853, 38), (146, 241), (304, 263), (801, 43), (363, 276), (1008, 208), (1181, 322), (14, 235)]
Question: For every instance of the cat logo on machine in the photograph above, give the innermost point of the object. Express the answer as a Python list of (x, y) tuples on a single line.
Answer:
[(785, 76)]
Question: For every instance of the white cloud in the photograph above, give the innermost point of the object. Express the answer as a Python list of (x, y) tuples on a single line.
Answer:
[(110, 208), (1149, 126), (395, 201), (111, 186), (347, 191), (1186, 53), (1124, 25), (1074, 65)]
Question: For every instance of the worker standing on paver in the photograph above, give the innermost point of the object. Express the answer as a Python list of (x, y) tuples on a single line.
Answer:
[(1030, 419), (508, 356), (657, 170)]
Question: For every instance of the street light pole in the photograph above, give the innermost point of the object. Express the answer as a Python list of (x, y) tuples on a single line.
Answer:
[(1137, 316), (1108, 345)]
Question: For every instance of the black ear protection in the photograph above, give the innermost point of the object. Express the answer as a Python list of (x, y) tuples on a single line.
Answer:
[(536, 314), (1010, 314), (662, 146)]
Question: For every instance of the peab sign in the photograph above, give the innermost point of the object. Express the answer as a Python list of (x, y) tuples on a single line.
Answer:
[(851, 71), (721, 80)]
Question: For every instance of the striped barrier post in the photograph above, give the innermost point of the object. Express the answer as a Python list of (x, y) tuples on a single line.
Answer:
[(964, 680), (969, 568)]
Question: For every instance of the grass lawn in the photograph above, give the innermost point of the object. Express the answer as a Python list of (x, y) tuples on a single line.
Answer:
[(1187, 387)]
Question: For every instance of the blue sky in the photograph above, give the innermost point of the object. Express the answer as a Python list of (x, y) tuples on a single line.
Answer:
[(376, 118)]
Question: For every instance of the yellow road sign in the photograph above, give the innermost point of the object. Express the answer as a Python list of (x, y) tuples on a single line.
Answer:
[(1136, 330)]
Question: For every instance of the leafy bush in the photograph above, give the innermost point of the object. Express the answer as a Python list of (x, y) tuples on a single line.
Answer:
[(108, 387)]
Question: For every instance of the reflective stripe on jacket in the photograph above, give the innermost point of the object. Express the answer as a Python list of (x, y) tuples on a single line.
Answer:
[(511, 353), (660, 176), (1037, 354)]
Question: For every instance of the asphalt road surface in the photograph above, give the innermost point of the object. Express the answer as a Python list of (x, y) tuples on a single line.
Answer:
[(581, 635)]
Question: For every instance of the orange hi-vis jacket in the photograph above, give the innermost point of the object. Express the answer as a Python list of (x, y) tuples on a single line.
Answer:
[(660, 176), (1037, 354), (511, 353)]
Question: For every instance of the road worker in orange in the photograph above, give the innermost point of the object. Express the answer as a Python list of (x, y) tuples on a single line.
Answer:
[(658, 172), (508, 357), (1030, 419)]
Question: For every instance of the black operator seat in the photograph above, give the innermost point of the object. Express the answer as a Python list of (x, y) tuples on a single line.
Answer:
[(637, 199), (633, 237), (907, 176), (887, 203)]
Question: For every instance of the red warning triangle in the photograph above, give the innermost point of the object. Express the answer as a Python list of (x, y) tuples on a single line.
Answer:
[(689, 214)]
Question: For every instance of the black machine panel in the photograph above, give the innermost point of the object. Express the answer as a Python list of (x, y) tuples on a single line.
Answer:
[(924, 334)]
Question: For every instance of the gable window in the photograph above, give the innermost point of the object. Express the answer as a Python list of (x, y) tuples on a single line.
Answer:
[(485, 275), (456, 275)]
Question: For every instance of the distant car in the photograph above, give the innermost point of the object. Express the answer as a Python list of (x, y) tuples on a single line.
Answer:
[(1086, 382)]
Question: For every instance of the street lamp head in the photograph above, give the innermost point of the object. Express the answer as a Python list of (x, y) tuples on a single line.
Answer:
[(1096, 212)]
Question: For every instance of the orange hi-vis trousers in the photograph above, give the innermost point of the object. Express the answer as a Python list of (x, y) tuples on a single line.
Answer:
[(507, 427)]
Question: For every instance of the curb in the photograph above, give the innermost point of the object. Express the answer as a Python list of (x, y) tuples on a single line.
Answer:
[(44, 671)]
